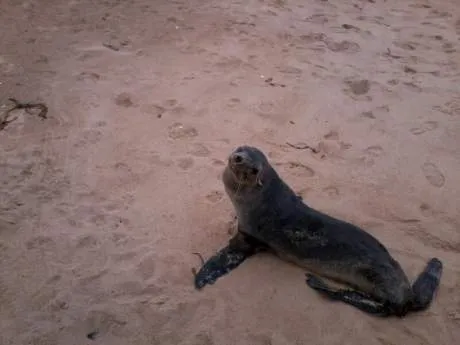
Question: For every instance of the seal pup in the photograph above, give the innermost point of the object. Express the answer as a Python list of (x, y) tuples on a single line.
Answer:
[(271, 217)]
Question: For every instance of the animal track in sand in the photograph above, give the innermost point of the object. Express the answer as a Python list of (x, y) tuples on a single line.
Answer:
[(180, 131), (301, 169), (185, 163), (368, 114), (146, 267), (233, 102), (215, 196), (332, 192), (426, 210), (125, 256), (317, 18), (218, 163), (170, 105), (331, 148), (100, 322), (203, 339), (199, 150), (90, 136), (39, 241), (374, 151), (433, 175), (429, 239), (425, 127), (124, 99), (88, 76), (343, 46), (290, 70), (87, 241), (153, 109), (406, 45), (358, 87), (451, 107), (331, 135)]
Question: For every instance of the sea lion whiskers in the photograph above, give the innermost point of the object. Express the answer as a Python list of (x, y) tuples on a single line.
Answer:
[(238, 187), (258, 179)]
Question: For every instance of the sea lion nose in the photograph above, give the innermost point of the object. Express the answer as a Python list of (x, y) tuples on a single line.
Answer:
[(236, 158)]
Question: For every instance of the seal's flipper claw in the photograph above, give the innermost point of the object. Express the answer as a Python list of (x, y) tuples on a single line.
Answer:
[(227, 259), (357, 299), (219, 265), (318, 284), (363, 303)]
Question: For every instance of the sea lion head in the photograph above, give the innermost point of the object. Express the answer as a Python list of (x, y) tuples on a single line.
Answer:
[(247, 169)]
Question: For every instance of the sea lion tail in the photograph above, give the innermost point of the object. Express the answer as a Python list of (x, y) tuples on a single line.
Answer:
[(426, 284)]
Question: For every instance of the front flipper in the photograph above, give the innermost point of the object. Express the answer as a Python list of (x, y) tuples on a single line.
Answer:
[(357, 299), (239, 248)]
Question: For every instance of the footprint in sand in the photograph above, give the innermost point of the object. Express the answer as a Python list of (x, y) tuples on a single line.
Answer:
[(302, 169), (331, 135), (451, 107), (368, 114), (203, 339), (406, 45), (146, 267), (199, 150), (331, 148), (425, 127), (89, 76), (343, 47), (154, 109), (180, 131), (40, 242), (317, 18), (185, 163), (429, 238), (125, 256), (370, 154), (266, 108), (215, 196), (426, 210), (100, 322), (332, 192), (217, 162), (170, 105), (124, 99), (358, 87), (233, 102), (90, 136), (115, 44), (374, 151), (433, 175), (289, 70), (351, 27), (87, 241)]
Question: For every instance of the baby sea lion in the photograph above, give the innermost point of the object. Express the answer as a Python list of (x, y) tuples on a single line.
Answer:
[(271, 217)]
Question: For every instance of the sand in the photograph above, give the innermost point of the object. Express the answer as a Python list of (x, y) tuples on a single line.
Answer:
[(103, 203)]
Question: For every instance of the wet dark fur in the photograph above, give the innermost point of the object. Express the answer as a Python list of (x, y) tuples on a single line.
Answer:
[(271, 217)]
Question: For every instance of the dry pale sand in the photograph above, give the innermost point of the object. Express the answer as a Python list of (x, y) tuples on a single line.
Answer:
[(103, 203)]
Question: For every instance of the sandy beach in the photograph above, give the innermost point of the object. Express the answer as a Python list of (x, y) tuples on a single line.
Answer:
[(103, 203)]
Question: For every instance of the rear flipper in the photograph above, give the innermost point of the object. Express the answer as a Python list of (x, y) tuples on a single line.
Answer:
[(426, 284), (357, 299), (240, 247)]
